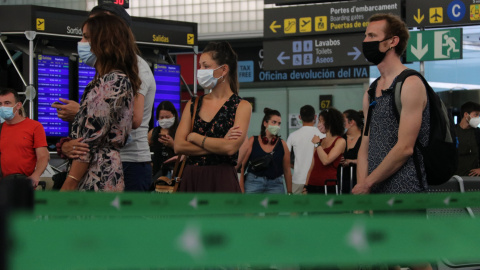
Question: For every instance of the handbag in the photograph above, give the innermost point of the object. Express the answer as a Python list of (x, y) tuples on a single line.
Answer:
[(261, 163), (170, 185)]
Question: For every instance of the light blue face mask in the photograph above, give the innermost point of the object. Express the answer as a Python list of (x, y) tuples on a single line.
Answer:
[(7, 113), (85, 53)]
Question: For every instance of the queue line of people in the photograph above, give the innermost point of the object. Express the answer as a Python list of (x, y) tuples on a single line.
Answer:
[(218, 142)]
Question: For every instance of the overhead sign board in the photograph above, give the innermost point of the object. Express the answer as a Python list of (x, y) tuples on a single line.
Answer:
[(314, 52), (330, 18), (441, 13), (296, 2), (445, 44), (57, 21)]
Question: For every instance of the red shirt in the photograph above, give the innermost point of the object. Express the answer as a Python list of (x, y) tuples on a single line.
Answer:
[(320, 172), (17, 146)]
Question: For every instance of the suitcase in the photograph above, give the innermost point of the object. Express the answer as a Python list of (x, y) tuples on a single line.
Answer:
[(347, 186), (325, 186)]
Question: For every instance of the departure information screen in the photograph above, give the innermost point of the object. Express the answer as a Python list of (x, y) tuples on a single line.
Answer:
[(85, 76), (167, 79), (53, 83)]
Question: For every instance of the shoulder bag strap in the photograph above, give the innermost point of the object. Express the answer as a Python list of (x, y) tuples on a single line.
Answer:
[(177, 175)]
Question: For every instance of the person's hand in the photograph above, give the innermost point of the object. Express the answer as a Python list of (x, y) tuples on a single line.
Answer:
[(361, 188), (305, 191), (342, 161), (315, 139), (347, 162), (233, 133), (75, 148), (68, 111), (474, 172), (166, 139), (35, 180), (191, 136)]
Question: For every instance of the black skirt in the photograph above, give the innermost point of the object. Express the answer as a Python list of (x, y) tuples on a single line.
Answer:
[(215, 178)]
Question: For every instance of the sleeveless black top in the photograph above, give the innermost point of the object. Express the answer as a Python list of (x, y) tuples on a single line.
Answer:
[(276, 167), (217, 128)]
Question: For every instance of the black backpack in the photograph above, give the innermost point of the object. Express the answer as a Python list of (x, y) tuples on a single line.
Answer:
[(440, 155)]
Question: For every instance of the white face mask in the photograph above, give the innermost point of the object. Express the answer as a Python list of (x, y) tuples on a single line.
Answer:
[(273, 129), (474, 122), (166, 123), (205, 78)]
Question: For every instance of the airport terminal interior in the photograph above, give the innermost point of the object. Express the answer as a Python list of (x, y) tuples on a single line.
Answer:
[(291, 53)]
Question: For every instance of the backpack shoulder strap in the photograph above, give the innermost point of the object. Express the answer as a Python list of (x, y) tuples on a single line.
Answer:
[(371, 100), (399, 80)]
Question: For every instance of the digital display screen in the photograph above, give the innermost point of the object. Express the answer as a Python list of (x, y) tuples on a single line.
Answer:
[(53, 83), (85, 76), (167, 79)]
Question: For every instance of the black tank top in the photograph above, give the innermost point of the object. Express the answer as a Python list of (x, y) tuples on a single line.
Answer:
[(276, 168)]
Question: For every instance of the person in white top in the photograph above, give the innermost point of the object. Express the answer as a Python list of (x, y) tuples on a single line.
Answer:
[(300, 142)]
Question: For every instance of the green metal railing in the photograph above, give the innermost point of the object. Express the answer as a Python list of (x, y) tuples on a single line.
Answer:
[(157, 231)]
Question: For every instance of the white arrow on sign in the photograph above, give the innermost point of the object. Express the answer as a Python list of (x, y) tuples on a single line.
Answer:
[(419, 52), (280, 58), (356, 53)]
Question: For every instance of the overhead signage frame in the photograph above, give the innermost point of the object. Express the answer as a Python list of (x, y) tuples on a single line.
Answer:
[(445, 44), (314, 52), (442, 13), (329, 18), (296, 2), (67, 23)]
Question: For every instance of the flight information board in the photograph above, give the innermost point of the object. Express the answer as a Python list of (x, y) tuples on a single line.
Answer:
[(53, 83), (167, 80), (85, 76)]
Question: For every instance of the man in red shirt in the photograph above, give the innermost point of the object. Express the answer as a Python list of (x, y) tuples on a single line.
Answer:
[(23, 144)]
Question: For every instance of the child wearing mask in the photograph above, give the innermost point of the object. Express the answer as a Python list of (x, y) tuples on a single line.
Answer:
[(161, 139)]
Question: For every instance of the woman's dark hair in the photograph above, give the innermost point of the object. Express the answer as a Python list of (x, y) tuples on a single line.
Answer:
[(333, 121), (168, 106), (268, 114), (223, 54), (355, 116), (114, 45)]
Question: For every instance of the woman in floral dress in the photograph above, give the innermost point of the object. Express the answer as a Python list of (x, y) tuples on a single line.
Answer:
[(212, 152), (106, 109)]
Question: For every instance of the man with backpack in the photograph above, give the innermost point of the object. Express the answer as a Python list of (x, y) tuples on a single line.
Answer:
[(469, 140), (386, 155)]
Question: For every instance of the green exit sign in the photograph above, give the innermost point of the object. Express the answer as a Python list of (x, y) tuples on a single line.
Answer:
[(445, 44)]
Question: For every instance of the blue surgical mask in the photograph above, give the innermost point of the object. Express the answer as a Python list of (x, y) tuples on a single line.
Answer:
[(7, 113), (85, 53), (205, 78)]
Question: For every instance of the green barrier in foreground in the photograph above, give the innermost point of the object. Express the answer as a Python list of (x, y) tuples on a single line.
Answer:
[(343, 239), (182, 204)]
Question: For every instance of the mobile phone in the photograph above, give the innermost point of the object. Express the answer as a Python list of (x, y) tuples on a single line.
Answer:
[(59, 103)]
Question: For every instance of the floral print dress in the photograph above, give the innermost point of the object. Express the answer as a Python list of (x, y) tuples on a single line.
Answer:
[(104, 122)]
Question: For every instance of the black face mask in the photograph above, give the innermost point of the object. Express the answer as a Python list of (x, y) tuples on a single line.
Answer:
[(371, 51)]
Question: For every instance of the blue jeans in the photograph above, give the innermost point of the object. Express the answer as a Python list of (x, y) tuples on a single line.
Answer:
[(137, 176), (260, 184)]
